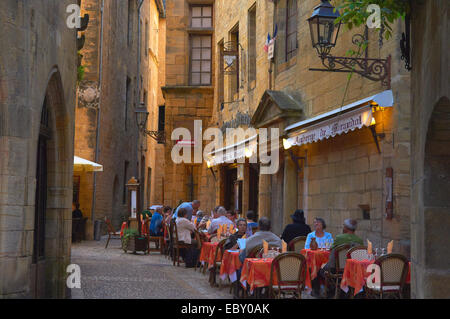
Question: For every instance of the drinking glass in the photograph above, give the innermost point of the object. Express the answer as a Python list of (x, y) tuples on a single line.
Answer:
[(383, 251), (376, 252)]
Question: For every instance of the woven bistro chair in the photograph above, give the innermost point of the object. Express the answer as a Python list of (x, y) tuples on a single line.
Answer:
[(290, 269), (340, 257), (394, 269), (358, 253), (217, 263), (297, 244)]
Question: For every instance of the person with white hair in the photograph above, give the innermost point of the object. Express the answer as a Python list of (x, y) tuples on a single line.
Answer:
[(222, 219)]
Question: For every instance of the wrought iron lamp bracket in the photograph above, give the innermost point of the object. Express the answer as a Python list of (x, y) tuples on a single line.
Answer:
[(158, 136), (372, 69), (296, 160), (375, 136)]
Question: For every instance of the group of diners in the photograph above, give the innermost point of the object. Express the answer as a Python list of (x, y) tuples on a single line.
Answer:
[(189, 219)]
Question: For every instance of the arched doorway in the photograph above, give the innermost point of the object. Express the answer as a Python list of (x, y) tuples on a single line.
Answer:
[(53, 194), (436, 199), (38, 261)]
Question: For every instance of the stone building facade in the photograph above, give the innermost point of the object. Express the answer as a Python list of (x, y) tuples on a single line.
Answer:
[(37, 105), (340, 175), (430, 150), (119, 63), (188, 97)]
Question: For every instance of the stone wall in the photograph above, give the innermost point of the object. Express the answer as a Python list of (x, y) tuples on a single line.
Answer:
[(38, 60), (430, 277)]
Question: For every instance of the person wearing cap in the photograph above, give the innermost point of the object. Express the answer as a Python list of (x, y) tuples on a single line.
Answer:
[(348, 235), (297, 228), (321, 236)]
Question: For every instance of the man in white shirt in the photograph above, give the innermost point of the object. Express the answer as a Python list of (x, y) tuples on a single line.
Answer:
[(222, 219)]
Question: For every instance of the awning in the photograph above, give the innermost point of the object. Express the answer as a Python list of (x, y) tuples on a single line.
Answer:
[(232, 152), (338, 121), (83, 165)]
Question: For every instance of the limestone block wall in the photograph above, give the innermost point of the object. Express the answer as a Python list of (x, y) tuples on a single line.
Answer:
[(38, 58)]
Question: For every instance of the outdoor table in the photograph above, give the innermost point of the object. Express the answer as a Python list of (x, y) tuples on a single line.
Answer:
[(230, 264), (314, 260), (355, 274), (207, 253), (256, 273)]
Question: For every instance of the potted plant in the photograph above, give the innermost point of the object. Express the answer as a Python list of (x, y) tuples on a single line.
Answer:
[(131, 240), (128, 239)]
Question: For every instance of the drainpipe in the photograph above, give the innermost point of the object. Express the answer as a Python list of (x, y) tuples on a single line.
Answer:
[(97, 135), (139, 3)]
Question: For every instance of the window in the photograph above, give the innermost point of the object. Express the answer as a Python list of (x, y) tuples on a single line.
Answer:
[(234, 78), (127, 101), (130, 20), (200, 60), (161, 118), (291, 29), (146, 38), (125, 176), (252, 45), (221, 80), (201, 16)]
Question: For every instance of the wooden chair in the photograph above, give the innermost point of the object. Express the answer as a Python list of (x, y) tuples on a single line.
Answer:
[(158, 240), (112, 234), (217, 263), (340, 257), (297, 244), (290, 269), (198, 239), (394, 269), (176, 244), (358, 253)]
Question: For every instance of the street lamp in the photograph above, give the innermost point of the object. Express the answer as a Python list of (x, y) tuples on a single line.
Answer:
[(141, 121), (324, 34)]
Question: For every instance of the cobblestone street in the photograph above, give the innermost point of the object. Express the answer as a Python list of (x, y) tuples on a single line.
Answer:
[(111, 273)]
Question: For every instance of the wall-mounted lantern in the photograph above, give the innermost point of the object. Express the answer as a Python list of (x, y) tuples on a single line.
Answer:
[(324, 35)]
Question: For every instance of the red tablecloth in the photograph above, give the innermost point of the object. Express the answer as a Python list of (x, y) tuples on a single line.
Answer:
[(207, 253), (256, 273), (230, 264), (355, 274), (314, 260)]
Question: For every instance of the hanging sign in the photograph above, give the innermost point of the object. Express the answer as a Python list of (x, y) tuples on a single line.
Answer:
[(332, 127)]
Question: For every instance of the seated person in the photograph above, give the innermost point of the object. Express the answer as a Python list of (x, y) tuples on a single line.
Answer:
[(185, 229), (348, 237), (156, 224), (190, 208), (222, 219), (251, 222), (263, 233), (231, 215), (146, 214), (297, 228), (322, 237), (198, 218), (231, 242)]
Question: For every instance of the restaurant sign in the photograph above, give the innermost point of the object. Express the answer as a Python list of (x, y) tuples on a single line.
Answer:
[(335, 126)]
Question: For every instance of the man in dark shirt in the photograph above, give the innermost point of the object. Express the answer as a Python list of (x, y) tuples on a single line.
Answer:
[(77, 212), (297, 228)]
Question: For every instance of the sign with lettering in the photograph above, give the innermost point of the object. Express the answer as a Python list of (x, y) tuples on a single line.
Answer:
[(332, 127), (271, 49)]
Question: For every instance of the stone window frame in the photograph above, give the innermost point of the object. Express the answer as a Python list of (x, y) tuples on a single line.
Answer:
[(252, 57), (291, 17), (192, 35), (201, 17)]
